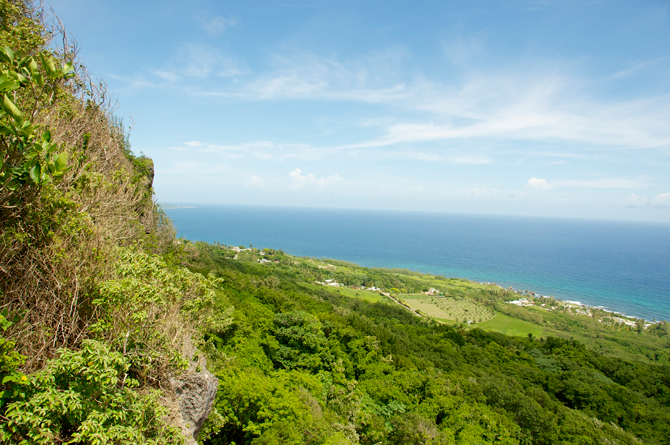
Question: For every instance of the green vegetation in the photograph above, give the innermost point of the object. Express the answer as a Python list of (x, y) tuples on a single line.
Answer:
[(311, 363), (100, 307), (86, 391), (449, 309), (511, 326), (96, 311), (370, 296)]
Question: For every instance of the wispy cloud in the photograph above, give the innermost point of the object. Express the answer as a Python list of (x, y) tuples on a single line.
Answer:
[(300, 180), (660, 201), (216, 25), (538, 183), (484, 192), (636, 68), (461, 50), (469, 159), (506, 105), (266, 150), (191, 61), (255, 181), (511, 104), (602, 183)]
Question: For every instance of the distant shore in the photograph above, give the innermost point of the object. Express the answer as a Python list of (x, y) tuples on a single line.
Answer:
[(621, 317), (580, 260), (173, 206)]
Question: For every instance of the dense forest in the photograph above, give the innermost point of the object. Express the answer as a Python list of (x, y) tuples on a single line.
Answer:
[(307, 364), (101, 307)]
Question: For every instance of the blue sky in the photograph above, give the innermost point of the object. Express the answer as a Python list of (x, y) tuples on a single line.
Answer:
[(528, 107)]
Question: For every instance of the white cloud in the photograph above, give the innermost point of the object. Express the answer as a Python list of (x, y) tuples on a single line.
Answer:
[(635, 67), (518, 104), (295, 173), (461, 50), (201, 61), (600, 183), (634, 200), (538, 183), (217, 24), (469, 159), (484, 191), (265, 150), (412, 155), (416, 188), (662, 199), (169, 76), (306, 76), (255, 181), (300, 180)]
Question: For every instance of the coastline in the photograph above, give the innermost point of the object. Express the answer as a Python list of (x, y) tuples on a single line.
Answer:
[(622, 268), (581, 308)]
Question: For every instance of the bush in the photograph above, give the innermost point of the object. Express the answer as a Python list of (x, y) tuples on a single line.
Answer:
[(152, 312), (86, 397)]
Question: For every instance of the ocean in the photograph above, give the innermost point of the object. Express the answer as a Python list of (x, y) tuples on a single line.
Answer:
[(621, 265)]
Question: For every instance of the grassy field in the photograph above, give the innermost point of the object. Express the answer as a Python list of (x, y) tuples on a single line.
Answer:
[(372, 297), (511, 326), (450, 286), (460, 300), (450, 309)]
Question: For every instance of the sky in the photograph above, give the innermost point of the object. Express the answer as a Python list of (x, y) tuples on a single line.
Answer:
[(519, 107)]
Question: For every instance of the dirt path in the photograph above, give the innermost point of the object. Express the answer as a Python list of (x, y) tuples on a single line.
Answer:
[(408, 308)]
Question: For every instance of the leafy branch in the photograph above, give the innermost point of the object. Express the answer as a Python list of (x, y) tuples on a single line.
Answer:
[(29, 156)]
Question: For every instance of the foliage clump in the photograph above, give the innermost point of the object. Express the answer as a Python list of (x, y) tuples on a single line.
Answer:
[(87, 397), (309, 364), (98, 314), (70, 192)]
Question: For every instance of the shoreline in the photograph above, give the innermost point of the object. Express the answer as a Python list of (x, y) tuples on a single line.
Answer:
[(620, 317), (525, 297)]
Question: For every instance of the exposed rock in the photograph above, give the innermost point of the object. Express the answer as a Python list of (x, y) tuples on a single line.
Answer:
[(194, 391)]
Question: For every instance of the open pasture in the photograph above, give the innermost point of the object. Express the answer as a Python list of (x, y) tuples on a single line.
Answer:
[(512, 326), (372, 297), (454, 309)]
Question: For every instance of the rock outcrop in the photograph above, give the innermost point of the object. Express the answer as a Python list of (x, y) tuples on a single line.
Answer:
[(194, 392)]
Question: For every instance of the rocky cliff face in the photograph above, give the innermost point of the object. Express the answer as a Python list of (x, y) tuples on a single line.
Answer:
[(193, 394)]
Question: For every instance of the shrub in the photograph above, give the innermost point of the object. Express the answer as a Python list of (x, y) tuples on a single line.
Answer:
[(152, 312), (86, 397)]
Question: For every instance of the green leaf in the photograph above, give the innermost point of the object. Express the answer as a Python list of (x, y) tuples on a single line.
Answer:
[(61, 162), (46, 136), (68, 68), (32, 66), (25, 61), (39, 79), (11, 109), (6, 54), (9, 85), (48, 64), (36, 173)]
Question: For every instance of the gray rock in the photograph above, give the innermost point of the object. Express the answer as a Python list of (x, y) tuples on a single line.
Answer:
[(195, 392), (193, 397)]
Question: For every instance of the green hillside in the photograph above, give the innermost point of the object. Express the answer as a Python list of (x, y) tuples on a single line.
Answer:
[(338, 366), (102, 308)]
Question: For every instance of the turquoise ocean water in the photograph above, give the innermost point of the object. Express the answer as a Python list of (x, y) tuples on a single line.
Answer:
[(623, 266)]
